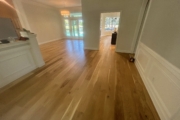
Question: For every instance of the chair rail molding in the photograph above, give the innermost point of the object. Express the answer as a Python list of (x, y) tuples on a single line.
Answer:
[(162, 80)]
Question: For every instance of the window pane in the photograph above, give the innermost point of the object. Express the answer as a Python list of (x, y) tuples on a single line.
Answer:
[(67, 27), (111, 23), (68, 33), (81, 28), (66, 24), (75, 28)]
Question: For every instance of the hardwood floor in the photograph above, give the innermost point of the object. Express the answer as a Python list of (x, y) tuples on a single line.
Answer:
[(77, 84)]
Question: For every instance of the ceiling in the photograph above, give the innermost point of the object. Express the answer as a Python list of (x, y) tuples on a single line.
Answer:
[(61, 3)]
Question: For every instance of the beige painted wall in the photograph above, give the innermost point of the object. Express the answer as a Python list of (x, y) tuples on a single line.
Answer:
[(161, 32), (130, 11), (43, 20)]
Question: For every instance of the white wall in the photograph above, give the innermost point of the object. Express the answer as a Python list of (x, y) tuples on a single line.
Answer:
[(130, 11), (162, 28), (43, 20), (103, 18)]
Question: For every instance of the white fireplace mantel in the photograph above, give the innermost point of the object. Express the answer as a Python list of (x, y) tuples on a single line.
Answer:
[(18, 59)]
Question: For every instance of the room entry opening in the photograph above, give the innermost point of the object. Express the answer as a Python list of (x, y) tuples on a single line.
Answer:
[(77, 28), (109, 26), (73, 27)]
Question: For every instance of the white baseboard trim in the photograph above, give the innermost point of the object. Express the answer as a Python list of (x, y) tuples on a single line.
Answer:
[(162, 80), (105, 35), (74, 38), (87, 48), (160, 112), (123, 51), (41, 43)]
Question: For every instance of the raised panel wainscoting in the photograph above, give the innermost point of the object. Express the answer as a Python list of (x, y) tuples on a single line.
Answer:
[(14, 64), (18, 59), (162, 81)]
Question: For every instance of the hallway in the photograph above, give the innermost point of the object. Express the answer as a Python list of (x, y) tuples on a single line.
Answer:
[(79, 84)]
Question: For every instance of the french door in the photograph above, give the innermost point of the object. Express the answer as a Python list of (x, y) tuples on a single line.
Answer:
[(74, 28)]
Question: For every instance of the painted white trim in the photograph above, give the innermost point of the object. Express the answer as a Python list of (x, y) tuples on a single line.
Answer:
[(163, 61), (156, 72), (17, 62), (74, 38), (41, 43), (150, 91), (119, 31), (18, 59), (138, 25), (10, 50), (87, 48), (105, 35), (145, 20), (123, 51)]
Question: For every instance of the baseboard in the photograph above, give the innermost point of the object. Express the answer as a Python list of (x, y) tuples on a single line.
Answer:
[(73, 38), (105, 35), (162, 80), (41, 43), (88, 48), (153, 98), (123, 51)]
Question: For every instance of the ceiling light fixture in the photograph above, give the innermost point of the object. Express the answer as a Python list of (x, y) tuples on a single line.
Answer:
[(65, 13)]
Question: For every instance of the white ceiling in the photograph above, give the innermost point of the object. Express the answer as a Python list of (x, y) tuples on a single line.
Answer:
[(61, 3)]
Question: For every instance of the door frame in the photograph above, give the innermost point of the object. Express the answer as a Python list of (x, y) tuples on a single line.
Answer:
[(140, 27), (70, 19), (119, 28)]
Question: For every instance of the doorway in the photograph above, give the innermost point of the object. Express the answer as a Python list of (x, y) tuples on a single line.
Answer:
[(109, 26), (73, 26), (77, 28)]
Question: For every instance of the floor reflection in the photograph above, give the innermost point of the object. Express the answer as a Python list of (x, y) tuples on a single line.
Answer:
[(75, 48)]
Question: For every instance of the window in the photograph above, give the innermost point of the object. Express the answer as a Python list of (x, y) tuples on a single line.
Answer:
[(73, 25), (76, 15), (111, 23), (67, 27)]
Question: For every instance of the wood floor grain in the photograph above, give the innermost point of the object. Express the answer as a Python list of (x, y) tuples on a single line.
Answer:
[(78, 84)]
